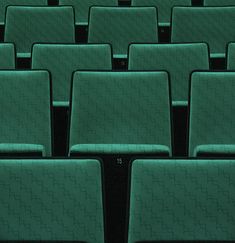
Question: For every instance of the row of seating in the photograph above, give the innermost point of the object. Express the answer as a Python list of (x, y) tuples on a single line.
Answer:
[(169, 200), (179, 60), (116, 113), (119, 27), (82, 7)]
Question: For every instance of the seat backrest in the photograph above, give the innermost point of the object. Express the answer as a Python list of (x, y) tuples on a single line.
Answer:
[(122, 26), (164, 8), (62, 60), (82, 8), (212, 107), (120, 108), (182, 200), (25, 109), (200, 24), (57, 200), (28, 25), (219, 2), (7, 56), (178, 59), (5, 3)]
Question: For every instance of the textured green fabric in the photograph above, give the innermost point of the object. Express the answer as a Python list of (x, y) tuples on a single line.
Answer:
[(7, 56), (214, 149), (231, 56), (5, 3), (63, 60), (51, 200), (182, 200), (119, 149), (219, 2), (28, 25), (131, 108), (200, 24), (22, 148), (163, 7), (25, 108), (178, 59), (122, 26), (82, 7), (212, 109)]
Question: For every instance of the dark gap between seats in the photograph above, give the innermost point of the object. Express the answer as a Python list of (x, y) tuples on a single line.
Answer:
[(218, 63), (2, 33), (23, 63), (116, 174), (180, 123), (53, 2), (197, 2), (81, 34), (120, 64), (60, 119), (164, 34), (124, 3)]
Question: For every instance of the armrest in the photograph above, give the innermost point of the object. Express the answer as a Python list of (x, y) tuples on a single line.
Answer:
[(214, 150), (19, 148), (23, 55), (119, 149)]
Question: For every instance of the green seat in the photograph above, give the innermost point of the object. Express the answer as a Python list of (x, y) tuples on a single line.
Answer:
[(122, 26), (82, 7), (231, 56), (120, 113), (200, 24), (25, 124), (62, 60), (7, 56), (58, 200), (178, 59), (163, 7), (219, 2), (28, 25), (212, 109), (5, 3), (182, 200)]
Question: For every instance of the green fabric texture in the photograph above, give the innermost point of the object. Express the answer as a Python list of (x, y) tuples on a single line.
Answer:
[(22, 148), (219, 2), (28, 25), (182, 200), (231, 56), (122, 26), (163, 7), (212, 109), (7, 56), (82, 7), (122, 108), (63, 60), (178, 59), (200, 24), (119, 149), (5, 3), (213, 149), (51, 200), (25, 109)]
